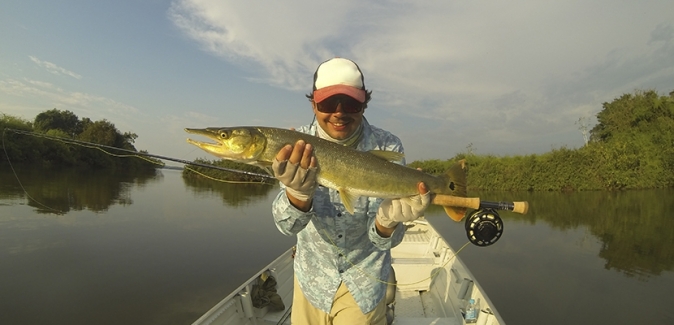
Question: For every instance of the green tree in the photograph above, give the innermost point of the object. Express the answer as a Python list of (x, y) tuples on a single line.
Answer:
[(24, 147), (55, 119), (17, 147), (642, 112), (105, 133)]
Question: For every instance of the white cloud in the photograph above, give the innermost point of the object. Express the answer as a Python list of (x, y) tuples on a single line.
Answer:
[(509, 70), (53, 68), (41, 92)]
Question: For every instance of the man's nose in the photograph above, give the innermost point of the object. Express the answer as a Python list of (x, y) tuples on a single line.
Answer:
[(339, 110)]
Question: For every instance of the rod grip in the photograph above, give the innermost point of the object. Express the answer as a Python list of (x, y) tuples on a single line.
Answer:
[(521, 207), (456, 201), (475, 203)]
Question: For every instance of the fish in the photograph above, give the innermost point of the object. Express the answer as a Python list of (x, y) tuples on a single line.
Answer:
[(351, 172)]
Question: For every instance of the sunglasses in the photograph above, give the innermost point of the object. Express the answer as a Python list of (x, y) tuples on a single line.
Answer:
[(349, 105)]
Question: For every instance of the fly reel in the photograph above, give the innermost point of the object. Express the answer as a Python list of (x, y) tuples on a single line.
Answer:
[(484, 227)]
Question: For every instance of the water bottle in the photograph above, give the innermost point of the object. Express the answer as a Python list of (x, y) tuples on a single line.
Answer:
[(472, 311)]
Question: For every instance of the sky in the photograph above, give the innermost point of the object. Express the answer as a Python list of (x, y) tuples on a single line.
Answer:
[(489, 77)]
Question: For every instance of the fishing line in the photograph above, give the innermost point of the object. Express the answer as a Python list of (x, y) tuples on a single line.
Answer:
[(19, 181), (225, 180), (433, 274), (136, 154)]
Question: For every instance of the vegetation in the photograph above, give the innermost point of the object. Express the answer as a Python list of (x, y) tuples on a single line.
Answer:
[(44, 146), (631, 147)]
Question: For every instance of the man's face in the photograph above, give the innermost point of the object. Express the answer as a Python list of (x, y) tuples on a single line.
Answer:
[(336, 115)]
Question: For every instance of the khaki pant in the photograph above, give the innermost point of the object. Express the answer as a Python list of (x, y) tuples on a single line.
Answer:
[(344, 310)]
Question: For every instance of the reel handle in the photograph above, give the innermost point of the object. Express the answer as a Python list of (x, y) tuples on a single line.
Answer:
[(475, 203)]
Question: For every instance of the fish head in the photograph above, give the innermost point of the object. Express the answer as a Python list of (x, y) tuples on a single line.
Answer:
[(243, 144)]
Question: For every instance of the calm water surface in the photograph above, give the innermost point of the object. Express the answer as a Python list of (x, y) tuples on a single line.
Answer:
[(107, 248)]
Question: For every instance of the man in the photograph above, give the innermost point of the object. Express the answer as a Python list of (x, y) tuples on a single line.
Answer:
[(343, 260)]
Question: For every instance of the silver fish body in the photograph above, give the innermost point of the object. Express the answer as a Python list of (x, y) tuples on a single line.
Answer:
[(353, 173)]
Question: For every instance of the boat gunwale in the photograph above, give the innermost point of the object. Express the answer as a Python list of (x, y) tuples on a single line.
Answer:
[(223, 302)]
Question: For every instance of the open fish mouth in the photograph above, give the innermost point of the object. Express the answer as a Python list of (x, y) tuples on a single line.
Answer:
[(203, 132), (244, 144)]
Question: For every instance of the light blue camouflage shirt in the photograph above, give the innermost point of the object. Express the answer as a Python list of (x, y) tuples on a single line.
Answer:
[(334, 246)]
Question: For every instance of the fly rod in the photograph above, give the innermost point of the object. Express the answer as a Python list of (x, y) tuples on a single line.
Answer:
[(438, 199)]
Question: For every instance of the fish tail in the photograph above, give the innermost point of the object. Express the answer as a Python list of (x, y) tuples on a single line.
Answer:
[(455, 178)]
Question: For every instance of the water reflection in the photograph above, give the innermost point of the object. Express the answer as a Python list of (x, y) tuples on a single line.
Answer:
[(634, 227), (232, 194), (163, 256), (59, 191), (172, 246)]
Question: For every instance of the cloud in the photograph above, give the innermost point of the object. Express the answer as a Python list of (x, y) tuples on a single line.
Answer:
[(662, 33), (40, 92), (53, 68), (510, 70)]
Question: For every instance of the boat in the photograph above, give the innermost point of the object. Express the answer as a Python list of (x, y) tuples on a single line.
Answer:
[(432, 287)]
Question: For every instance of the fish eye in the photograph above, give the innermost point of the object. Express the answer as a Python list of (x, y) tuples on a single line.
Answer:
[(224, 134), (451, 186)]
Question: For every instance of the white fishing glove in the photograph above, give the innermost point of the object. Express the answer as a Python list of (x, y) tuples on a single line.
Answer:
[(300, 183), (393, 211)]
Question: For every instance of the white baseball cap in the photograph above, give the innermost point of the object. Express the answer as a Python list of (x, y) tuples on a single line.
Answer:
[(338, 76)]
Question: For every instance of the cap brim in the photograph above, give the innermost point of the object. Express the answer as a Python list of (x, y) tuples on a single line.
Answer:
[(323, 93)]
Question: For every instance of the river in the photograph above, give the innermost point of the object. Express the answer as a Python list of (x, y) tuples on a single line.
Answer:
[(95, 247)]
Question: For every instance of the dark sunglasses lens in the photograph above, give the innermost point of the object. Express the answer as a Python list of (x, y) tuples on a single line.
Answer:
[(327, 106), (349, 105)]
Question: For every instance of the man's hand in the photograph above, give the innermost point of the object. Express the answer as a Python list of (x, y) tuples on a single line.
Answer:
[(295, 167), (393, 211)]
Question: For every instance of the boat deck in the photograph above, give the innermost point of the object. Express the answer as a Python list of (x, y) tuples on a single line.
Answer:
[(418, 262), (432, 287)]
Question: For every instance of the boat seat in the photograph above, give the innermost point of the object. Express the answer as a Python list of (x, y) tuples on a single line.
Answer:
[(412, 260), (427, 321)]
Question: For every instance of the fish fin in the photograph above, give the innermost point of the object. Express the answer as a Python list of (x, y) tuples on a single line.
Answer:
[(456, 179), (348, 199), (456, 186), (264, 166), (455, 213), (388, 155)]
